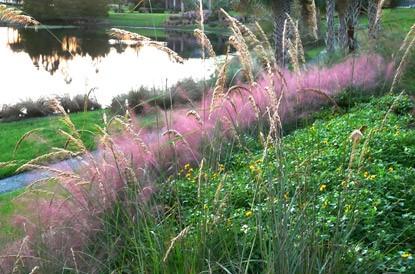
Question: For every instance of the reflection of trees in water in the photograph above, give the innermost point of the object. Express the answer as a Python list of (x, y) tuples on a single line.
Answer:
[(48, 51), (187, 46)]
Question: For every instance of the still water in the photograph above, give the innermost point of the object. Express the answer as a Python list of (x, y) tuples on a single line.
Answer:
[(39, 63)]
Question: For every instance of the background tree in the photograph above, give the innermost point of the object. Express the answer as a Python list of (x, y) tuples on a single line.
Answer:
[(374, 14), (331, 34), (40, 9), (342, 7), (309, 18), (352, 19), (65, 9), (280, 10)]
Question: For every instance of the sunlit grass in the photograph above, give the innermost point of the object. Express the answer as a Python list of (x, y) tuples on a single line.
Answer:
[(7, 210), (151, 20), (42, 141)]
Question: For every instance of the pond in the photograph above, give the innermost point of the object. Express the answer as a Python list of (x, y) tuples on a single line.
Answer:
[(57, 61)]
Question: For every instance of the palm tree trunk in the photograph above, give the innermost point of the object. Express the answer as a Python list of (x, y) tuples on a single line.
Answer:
[(374, 16), (309, 15), (331, 35), (352, 23), (342, 8), (280, 9)]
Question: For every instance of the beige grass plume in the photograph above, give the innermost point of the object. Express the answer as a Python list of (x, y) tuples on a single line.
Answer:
[(266, 44), (136, 135), (237, 40), (179, 237), (246, 39), (15, 16), (204, 42), (123, 35), (141, 40), (294, 45), (407, 46), (195, 115), (219, 90)]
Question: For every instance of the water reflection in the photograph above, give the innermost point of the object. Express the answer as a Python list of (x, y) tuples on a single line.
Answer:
[(48, 49), (72, 61)]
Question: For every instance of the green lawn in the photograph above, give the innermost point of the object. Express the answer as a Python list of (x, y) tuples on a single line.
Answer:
[(7, 210), (150, 20), (398, 19), (154, 21), (43, 140)]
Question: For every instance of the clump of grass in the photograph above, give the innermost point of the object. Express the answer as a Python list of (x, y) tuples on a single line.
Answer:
[(15, 16), (41, 108), (139, 101)]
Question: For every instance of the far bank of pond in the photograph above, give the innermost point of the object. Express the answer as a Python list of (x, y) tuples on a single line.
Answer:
[(57, 61)]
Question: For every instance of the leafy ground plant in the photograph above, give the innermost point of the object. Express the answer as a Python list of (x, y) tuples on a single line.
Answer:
[(344, 204)]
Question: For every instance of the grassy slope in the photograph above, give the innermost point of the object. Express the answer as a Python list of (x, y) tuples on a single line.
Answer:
[(41, 142), (381, 191), (7, 209)]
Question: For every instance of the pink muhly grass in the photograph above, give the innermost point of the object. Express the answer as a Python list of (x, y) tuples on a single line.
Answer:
[(70, 220)]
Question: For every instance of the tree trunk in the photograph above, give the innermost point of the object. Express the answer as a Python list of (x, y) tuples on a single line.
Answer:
[(280, 10), (352, 23), (342, 7), (374, 15), (309, 15), (210, 5), (331, 35)]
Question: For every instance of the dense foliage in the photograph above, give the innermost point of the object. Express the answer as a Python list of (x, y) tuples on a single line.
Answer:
[(65, 9), (351, 207)]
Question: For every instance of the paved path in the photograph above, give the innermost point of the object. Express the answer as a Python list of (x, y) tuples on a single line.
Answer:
[(24, 179)]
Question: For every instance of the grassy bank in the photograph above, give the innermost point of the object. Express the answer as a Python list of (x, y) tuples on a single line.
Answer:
[(155, 22), (43, 139), (7, 210), (351, 206)]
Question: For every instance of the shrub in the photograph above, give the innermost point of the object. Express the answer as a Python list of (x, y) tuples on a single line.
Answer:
[(184, 92), (41, 107)]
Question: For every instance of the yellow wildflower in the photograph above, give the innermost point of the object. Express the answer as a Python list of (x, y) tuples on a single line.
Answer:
[(347, 208), (187, 166), (325, 204), (390, 169), (406, 255), (188, 175), (286, 196), (366, 174), (323, 187), (249, 213)]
